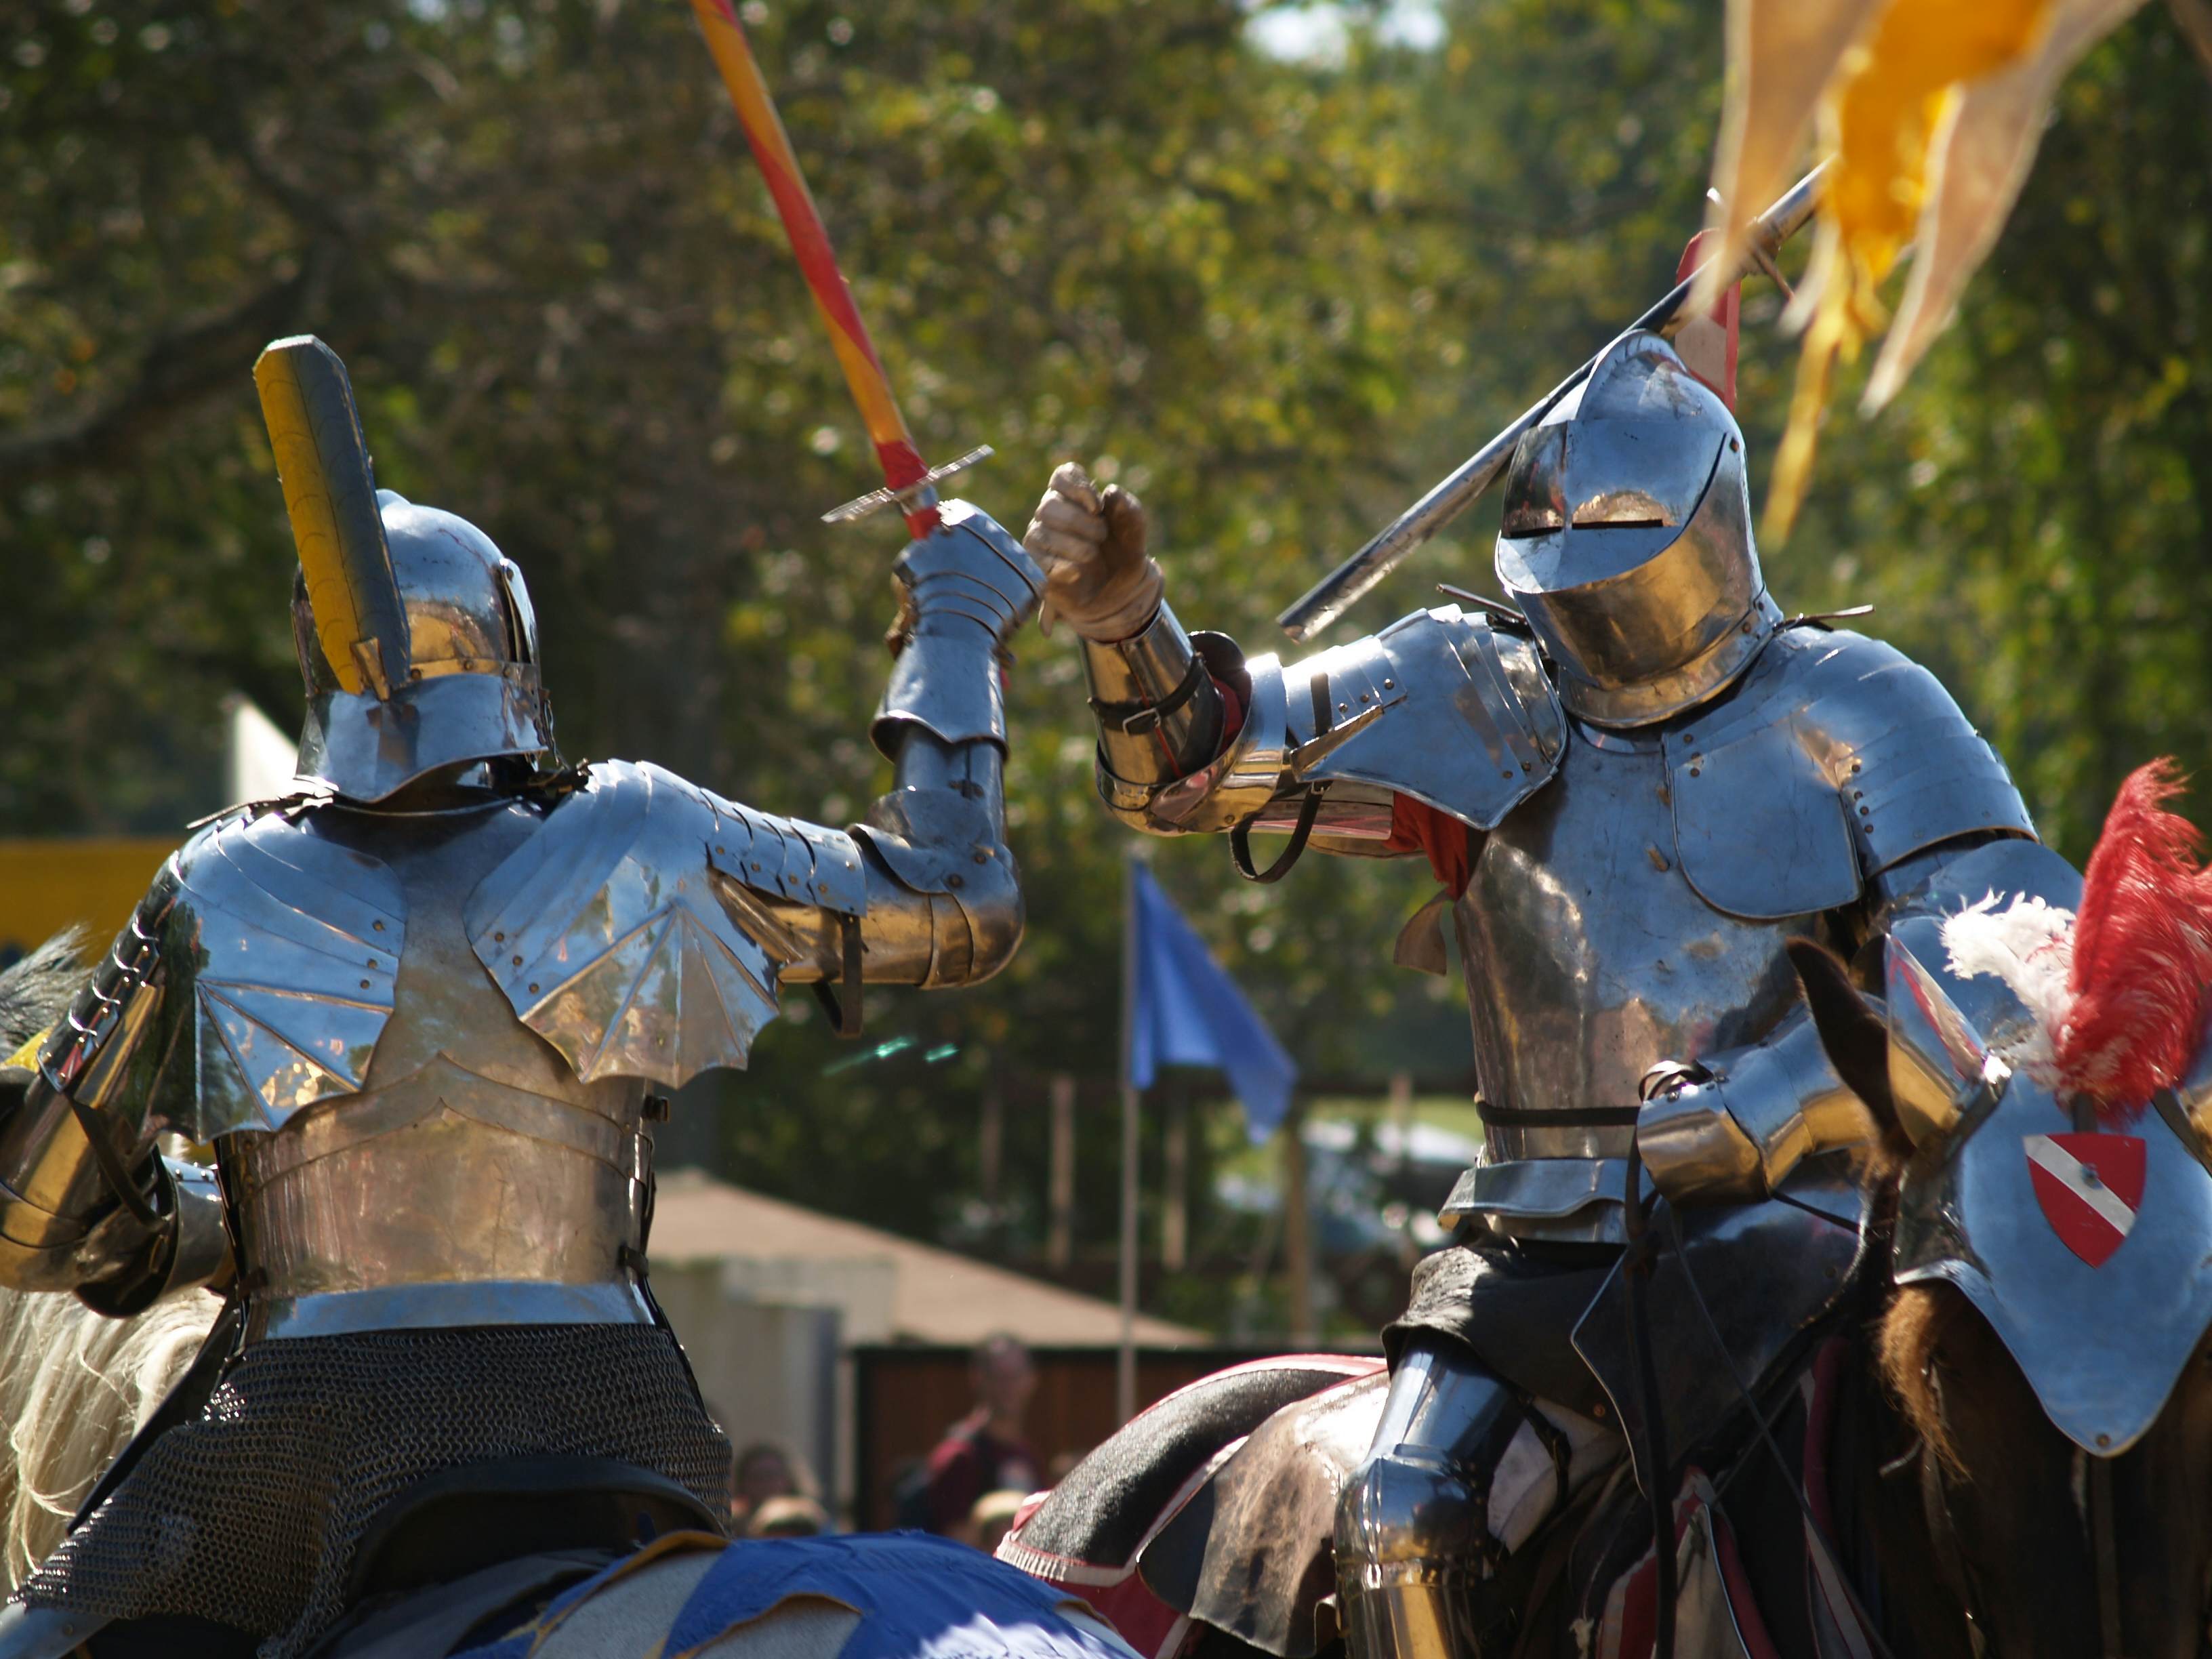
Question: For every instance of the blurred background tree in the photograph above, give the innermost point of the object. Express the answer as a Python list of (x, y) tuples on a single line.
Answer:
[(1277, 292)]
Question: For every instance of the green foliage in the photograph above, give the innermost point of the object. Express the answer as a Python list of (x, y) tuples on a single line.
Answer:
[(1278, 299)]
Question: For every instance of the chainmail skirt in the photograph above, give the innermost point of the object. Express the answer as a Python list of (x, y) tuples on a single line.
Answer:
[(249, 1514)]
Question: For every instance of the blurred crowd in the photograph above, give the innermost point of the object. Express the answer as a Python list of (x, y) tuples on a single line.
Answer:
[(971, 1486)]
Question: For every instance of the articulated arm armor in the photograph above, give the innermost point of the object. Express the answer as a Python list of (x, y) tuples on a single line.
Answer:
[(85, 1203), (944, 903), (1439, 707)]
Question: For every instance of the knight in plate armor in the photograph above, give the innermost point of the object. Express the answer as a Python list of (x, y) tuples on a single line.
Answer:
[(427, 1013), (1635, 781)]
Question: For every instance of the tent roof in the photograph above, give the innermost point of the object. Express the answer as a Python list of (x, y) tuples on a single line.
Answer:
[(941, 1296)]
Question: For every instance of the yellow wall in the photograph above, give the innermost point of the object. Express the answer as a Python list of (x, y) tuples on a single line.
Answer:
[(94, 881)]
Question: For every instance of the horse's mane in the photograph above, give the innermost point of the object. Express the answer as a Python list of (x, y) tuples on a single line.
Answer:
[(35, 990), (74, 1386)]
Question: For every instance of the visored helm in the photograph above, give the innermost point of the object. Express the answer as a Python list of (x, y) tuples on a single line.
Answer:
[(1626, 539), (472, 691)]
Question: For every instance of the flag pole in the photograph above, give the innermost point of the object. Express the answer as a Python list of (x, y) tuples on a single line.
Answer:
[(1125, 1367)]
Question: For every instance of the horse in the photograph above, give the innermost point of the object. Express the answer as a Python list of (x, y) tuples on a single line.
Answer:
[(75, 1386), (1992, 1435)]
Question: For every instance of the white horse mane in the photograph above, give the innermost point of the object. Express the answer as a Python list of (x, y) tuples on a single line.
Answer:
[(75, 1385)]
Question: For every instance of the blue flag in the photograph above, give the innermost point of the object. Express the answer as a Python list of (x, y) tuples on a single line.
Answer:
[(1188, 1012)]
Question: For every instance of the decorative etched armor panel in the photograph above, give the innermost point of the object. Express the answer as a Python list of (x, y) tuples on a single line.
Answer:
[(605, 934), (291, 943)]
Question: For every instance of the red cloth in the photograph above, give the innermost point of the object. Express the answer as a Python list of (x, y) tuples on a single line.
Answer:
[(968, 1462), (1417, 827)]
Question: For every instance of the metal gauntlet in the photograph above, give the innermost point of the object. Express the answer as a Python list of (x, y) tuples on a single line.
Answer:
[(1731, 1126), (83, 1203), (967, 589)]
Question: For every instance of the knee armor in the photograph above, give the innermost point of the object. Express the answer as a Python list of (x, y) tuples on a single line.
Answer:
[(1413, 1544)]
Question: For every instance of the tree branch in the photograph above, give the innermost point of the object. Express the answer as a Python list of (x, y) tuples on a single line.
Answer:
[(2194, 19), (175, 371)]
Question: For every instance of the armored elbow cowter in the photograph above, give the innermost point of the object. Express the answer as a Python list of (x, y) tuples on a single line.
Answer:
[(85, 1204)]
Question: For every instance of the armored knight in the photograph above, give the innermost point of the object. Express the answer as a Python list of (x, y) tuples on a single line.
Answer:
[(1636, 780), (426, 1012)]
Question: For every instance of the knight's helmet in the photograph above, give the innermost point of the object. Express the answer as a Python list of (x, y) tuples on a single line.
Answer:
[(416, 636), (1626, 539)]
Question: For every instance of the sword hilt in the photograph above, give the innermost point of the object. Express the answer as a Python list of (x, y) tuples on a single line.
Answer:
[(921, 493)]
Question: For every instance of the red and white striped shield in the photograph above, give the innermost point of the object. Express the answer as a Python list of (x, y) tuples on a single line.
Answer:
[(2090, 1187)]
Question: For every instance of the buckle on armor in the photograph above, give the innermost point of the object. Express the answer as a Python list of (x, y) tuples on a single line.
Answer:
[(843, 1005)]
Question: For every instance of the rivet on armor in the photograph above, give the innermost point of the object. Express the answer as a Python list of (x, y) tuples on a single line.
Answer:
[(1694, 772), (533, 990), (372, 962), (982, 856), (518, 962), (364, 985), (1390, 686), (1507, 776), (499, 938), (378, 926), (955, 881)]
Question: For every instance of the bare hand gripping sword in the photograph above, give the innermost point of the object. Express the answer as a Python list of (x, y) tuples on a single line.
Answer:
[(909, 482), (1335, 594)]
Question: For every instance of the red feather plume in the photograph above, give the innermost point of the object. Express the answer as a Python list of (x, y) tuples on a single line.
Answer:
[(2143, 951)]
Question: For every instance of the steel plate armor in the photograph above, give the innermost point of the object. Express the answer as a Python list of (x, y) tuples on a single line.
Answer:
[(420, 1009), (1657, 784)]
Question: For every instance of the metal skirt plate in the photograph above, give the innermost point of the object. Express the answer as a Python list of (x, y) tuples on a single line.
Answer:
[(436, 1305)]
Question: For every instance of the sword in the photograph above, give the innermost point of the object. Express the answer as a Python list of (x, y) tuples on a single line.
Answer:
[(909, 482), (1336, 592)]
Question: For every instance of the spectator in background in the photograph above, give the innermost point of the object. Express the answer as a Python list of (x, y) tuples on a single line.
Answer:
[(992, 1518), (985, 1451), (762, 1471), (788, 1516)]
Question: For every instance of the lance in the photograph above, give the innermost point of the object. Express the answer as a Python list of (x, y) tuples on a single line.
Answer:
[(1335, 594), (909, 482)]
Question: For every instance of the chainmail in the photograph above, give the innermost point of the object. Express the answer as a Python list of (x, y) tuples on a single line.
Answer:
[(249, 1514)]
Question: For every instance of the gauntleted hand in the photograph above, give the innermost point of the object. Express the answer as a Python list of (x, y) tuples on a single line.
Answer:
[(1091, 545)]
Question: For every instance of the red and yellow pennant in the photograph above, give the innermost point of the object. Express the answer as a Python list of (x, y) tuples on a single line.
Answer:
[(1931, 110), (901, 462)]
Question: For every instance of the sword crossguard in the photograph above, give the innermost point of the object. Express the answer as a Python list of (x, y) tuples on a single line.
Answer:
[(921, 493)]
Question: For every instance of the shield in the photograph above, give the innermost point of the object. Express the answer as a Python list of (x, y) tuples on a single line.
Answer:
[(2089, 1187)]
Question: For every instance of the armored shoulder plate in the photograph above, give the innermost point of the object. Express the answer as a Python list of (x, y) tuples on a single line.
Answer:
[(290, 945), (606, 933), (1835, 758), (1439, 706)]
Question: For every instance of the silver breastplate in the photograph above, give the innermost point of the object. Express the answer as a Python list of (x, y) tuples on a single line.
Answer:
[(473, 1179), (1588, 958)]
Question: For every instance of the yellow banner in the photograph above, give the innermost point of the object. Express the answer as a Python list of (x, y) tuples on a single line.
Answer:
[(93, 881)]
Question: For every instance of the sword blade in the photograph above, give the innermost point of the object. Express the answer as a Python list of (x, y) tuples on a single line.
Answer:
[(1336, 592), (903, 467)]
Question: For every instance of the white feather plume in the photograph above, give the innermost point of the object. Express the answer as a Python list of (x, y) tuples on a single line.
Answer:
[(2029, 946)]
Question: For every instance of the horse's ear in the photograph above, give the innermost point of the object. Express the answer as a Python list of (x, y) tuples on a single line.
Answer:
[(1855, 1034)]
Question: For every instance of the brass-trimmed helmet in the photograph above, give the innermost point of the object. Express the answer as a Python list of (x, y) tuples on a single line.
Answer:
[(471, 690), (1626, 539)]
